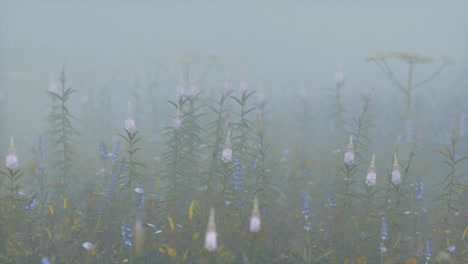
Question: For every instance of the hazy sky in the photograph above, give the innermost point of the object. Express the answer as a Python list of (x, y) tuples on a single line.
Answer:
[(281, 45)]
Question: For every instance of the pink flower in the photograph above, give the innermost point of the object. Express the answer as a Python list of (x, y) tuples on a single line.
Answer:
[(371, 176), (180, 89), (12, 158), (349, 154), (255, 218), (226, 155), (211, 243), (396, 174), (130, 122), (177, 122)]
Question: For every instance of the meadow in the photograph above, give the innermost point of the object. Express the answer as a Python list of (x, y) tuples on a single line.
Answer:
[(221, 173)]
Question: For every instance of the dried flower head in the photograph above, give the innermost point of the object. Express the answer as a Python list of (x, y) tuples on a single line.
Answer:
[(371, 176), (211, 243), (396, 174), (12, 158), (349, 154)]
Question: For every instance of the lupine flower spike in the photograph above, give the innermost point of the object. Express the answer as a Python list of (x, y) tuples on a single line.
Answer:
[(177, 122), (130, 121), (255, 218), (12, 158), (227, 150), (349, 154), (225, 87), (371, 176), (396, 174), (211, 242)]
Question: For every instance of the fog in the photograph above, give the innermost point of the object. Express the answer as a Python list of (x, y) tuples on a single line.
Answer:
[(116, 53)]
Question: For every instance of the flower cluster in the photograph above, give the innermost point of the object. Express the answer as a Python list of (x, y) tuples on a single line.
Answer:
[(371, 177), (226, 155), (12, 158), (130, 121), (127, 234), (396, 174), (349, 154)]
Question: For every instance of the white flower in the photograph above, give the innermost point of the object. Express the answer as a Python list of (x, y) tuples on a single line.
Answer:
[(255, 222), (211, 242), (371, 176)]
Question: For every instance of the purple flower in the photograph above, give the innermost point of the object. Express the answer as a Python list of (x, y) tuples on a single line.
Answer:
[(180, 89), (255, 218)]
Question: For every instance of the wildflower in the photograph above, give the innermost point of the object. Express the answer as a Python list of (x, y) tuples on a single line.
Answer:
[(451, 248), (242, 84), (103, 154), (419, 188), (349, 154), (88, 245), (141, 198), (127, 234), (383, 226), (52, 84), (180, 89), (211, 243), (130, 121), (332, 201), (371, 177), (305, 205), (45, 260), (428, 253), (227, 150), (42, 146), (396, 174), (32, 203), (12, 158), (225, 87), (115, 153), (383, 249), (177, 122), (255, 218), (339, 75), (238, 175)]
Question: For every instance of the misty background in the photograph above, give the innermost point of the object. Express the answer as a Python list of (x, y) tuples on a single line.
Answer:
[(283, 48)]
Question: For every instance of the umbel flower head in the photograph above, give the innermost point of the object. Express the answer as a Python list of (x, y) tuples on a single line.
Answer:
[(349, 154), (255, 218), (130, 121), (12, 158), (211, 240), (371, 176), (227, 150), (396, 174)]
